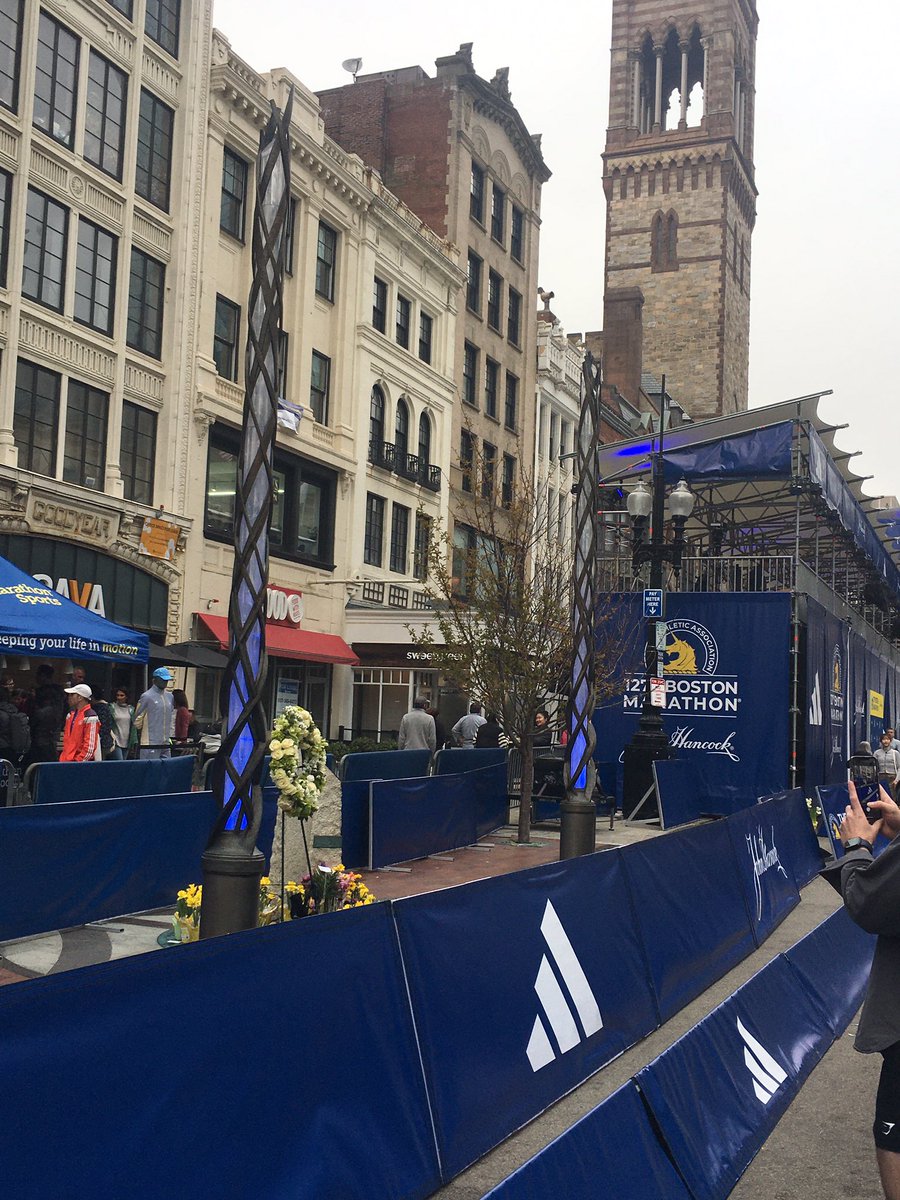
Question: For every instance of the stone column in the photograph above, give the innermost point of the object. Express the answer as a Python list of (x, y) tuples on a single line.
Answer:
[(684, 47), (657, 111), (636, 105), (704, 42)]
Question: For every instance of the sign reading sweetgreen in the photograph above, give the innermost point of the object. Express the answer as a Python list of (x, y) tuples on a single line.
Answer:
[(96, 581)]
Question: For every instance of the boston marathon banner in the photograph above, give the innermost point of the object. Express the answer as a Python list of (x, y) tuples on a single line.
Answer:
[(726, 666), (828, 696)]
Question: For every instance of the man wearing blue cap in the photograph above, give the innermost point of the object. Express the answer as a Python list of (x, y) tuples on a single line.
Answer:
[(156, 708)]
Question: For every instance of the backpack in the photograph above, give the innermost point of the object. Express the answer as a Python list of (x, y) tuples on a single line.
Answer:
[(15, 732)]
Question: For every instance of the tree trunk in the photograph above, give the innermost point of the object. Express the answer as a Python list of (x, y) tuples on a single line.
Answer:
[(525, 789)]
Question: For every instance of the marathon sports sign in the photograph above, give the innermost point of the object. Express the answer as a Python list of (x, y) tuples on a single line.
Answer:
[(726, 669)]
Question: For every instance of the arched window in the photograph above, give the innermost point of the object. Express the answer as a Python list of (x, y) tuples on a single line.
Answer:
[(424, 441), (376, 424), (664, 241), (401, 430)]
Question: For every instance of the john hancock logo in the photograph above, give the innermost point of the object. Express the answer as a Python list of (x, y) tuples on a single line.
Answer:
[(693, 687), (764, 858)]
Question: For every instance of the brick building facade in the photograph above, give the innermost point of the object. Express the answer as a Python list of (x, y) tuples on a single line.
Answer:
[(679, 184)]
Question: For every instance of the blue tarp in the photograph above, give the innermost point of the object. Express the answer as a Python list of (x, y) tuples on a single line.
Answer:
[(385, 764), (759, 454), (35, 620)]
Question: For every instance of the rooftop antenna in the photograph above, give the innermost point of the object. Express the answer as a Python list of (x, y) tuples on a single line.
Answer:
[(352, 65)]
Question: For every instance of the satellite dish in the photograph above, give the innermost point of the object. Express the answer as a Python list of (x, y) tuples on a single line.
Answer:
[(352, 65)]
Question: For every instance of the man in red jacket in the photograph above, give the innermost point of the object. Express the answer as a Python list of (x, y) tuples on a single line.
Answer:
[(81, 734)]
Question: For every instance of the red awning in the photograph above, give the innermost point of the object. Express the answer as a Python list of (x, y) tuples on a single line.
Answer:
[(301, 644)]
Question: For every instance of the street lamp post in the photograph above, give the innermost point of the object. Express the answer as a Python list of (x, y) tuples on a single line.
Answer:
[(650, 742)]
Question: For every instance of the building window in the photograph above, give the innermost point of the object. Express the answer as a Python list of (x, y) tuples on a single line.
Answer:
[(498, 213), (399, 538), (379, 305), (56, 81), (282, 358), (401, 433), (514, 317), (425, 329), (5, 195), (161, 24), (146, 293), (154, 150), (104, 115), (373, 550), (488, 470), (44, 265), (234, 195), (664, 242), (137, 453), (10, 49), (302, 524), (512, 401), (326, 257), (424, 440), (470, 374), (36, 417), (517, 235), (95, 277), (491, 387), (225, 338), (125, 7), (319, 383), (421, 546), (376, 425), (473, 283), (466, 459), (84, 457), (404, 309), (289, 236), (476, 195), (495, 290), (508, 483)]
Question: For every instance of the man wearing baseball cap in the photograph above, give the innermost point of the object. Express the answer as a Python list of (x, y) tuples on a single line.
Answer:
[(156, 709), (81, 732)]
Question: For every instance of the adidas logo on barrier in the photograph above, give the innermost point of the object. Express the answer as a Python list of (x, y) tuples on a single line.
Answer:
[(557, 1009), (767, 1075), (815, 703)]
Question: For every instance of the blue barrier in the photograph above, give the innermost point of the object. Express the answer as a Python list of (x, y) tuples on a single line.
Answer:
[(681, 792), (412, 818), (142, 1038), (522, 986), (385, 764), (612, 1152), (355, 822), (833, 962), (67, 864), (796, 828), (719, 1091), (491, 800), (58, 782), (455, 762), (770, 890), (690, 910)]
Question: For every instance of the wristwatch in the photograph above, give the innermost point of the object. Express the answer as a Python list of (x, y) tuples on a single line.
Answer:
[(857, 844)]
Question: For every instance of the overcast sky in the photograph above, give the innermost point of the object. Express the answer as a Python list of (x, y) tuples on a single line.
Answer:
[(826, 251)]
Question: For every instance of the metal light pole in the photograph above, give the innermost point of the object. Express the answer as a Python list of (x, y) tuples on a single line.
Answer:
[(650, 741), (577, 810), (232, 865)]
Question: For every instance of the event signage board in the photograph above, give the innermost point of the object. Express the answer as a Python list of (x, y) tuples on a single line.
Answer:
[(764, 865), (653, 602), (727, 704), (559, 993)]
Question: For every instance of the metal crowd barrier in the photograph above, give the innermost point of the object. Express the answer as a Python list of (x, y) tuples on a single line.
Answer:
[(10, 784)]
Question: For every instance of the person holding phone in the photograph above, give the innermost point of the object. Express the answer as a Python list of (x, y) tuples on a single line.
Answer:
[(870, 889)]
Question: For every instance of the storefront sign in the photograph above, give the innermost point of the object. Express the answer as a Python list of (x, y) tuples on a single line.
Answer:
[(284, 606), (88, 595), (66, 520), (159, 538), (394, 654), (286, 693)]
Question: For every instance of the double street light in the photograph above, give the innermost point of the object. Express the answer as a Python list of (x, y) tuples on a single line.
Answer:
[(647, 509)]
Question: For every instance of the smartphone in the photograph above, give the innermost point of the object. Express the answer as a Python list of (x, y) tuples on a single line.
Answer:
[(866, 791)]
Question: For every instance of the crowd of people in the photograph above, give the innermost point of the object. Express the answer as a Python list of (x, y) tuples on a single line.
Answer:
[(422, 729), (77, 723)]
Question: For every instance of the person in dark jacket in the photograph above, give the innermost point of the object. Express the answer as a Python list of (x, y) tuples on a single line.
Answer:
[(542, 735), (48, 715), (440, 729), (488, 734)]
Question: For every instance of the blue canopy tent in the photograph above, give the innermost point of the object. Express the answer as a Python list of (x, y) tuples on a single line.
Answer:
[(36, 621)]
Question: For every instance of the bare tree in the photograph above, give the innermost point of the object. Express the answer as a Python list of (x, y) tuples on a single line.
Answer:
[(500, 587)]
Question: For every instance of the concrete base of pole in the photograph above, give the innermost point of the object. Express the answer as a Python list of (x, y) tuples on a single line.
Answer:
[(230, 888), (578, 825)]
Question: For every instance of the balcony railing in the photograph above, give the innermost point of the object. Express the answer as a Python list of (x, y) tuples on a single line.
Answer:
[(752, 573), (408, 466)]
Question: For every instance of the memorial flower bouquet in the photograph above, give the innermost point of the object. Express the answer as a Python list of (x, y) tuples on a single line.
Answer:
[(186, 920), (327, 889), (298, 762), (269, 903)]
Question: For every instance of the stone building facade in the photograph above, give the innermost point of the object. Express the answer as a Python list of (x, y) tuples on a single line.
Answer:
[(680, 191)]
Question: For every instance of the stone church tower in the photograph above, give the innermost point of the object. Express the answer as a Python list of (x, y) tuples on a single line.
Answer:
[(681, 199)]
